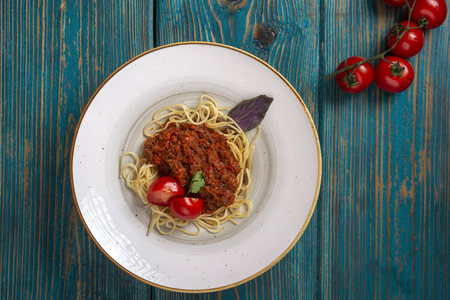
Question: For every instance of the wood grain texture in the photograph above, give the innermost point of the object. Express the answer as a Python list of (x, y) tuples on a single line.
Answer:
[(54, 54), (295, 54), (384, 210)]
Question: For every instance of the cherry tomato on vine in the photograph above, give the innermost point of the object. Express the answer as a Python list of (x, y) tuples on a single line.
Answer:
[(394, 74), (410, 44), (186, 208), (433, 11), (359, 80), (395, 2), (163, 189)]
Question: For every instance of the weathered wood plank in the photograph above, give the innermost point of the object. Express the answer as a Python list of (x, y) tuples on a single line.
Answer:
[(295, 53), (385, 198), (54, 55)]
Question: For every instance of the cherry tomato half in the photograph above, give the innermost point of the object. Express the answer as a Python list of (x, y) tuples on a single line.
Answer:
[(395, 2), (411, 42), (359, 80), (394, 75), (434, 11), (186, 208), (163, 189)]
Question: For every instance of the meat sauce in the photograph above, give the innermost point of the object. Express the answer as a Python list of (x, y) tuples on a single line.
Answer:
[(182, 151)]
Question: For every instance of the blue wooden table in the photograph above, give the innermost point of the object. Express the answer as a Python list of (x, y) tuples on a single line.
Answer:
[(381, 228)]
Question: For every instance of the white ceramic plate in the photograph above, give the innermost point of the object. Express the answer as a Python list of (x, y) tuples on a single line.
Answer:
[(286, 170)]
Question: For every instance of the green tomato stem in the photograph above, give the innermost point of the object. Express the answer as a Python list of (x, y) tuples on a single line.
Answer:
[(379, 55)]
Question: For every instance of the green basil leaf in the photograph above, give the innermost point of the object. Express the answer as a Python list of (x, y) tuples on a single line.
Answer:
[(197, 183)]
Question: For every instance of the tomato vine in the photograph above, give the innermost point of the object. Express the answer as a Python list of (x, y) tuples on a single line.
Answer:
[(424, 17)]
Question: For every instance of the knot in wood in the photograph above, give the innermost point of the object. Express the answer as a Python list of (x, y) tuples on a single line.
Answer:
[(232, 2), (232, 6), (264, 35)]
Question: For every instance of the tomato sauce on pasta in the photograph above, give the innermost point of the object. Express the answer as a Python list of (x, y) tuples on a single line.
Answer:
[(180, 151)]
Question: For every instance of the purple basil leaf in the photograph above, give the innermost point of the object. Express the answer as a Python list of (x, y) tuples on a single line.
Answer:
[(249, 113)]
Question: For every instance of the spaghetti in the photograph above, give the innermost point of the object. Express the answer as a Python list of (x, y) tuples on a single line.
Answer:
[(140, 175)]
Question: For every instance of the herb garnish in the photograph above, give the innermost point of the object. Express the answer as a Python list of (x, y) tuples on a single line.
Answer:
[(197, 183), (249, 113)]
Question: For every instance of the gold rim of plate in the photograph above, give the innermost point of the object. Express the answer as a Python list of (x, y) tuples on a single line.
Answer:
[(316, 195)]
